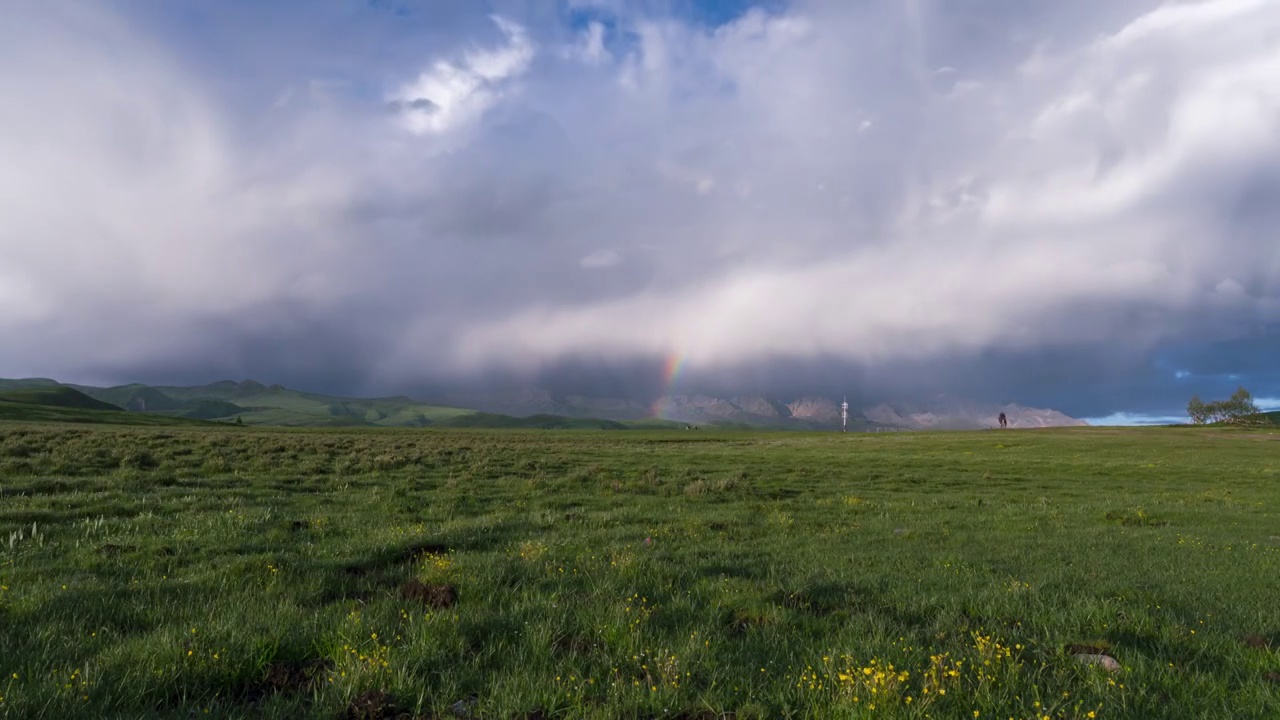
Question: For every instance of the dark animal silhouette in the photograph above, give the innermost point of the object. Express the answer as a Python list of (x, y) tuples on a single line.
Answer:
[(1004, 422)]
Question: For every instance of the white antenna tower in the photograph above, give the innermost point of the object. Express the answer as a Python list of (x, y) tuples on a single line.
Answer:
[(844, 415)]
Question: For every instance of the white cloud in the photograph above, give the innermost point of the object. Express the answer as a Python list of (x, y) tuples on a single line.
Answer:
[(589, 48), (1122, 419), (455, 94), (858, 308), (601, 259), (505, 62), (1056, 192), (128, 214)]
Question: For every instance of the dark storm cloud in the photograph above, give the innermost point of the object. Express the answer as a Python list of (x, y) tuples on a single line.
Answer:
[(333, 353), (1031, 201)]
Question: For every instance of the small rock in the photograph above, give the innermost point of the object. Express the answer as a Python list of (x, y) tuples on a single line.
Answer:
[(1107, 662)]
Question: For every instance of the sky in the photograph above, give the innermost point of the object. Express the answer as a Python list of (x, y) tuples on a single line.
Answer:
[(1062, 203)]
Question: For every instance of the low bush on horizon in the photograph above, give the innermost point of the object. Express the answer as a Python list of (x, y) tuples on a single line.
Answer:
[(239, 572)]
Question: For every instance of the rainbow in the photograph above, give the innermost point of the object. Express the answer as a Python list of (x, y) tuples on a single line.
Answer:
[(670, 375)]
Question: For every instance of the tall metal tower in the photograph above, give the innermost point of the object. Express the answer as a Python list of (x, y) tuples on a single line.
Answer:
[(844, 415)]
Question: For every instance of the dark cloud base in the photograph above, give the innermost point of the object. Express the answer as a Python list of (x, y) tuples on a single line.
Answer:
[(1083, 382)]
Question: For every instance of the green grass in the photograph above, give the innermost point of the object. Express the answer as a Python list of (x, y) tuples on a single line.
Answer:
[(243, 572)]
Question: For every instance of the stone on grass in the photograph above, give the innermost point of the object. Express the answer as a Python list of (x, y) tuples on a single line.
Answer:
[(1106, 662)]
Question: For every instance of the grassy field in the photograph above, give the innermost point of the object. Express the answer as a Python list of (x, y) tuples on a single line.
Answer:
[(237, 572)]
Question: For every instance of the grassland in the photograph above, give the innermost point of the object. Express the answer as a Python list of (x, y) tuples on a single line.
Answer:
[(238, 572)]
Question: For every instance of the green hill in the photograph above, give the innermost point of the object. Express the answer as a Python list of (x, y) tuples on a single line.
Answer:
[(257, 404), (55, 396), (146, 399), (205, 410), (27, 384), (138, 398), (46, 401), (278, 405), (30, 412)]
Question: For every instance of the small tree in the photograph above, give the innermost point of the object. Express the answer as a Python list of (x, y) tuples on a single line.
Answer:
[(1239, 409), (1198, 410)]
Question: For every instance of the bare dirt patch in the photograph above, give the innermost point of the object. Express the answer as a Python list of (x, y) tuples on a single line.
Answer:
[(434, 595), (374, 705), (1262, 642), (574, 645), (284, 677)]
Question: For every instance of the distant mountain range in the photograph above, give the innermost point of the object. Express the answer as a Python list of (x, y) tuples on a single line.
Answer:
[(248, 402), (256, 404), (808, 412)]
